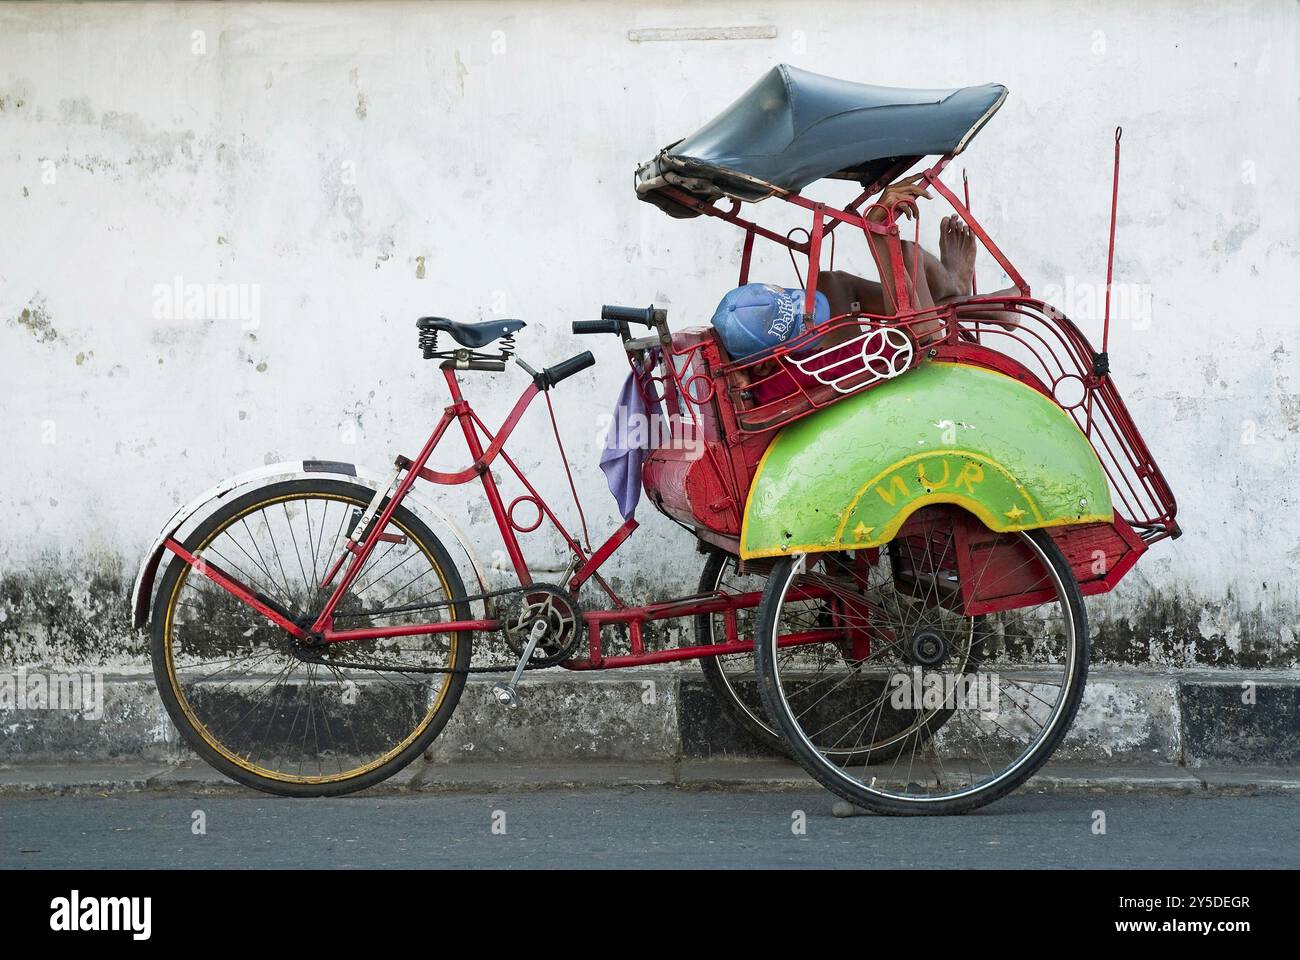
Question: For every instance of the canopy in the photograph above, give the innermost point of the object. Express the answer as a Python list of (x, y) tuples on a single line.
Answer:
[(794, 127)]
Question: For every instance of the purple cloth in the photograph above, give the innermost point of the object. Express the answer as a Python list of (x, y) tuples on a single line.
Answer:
[(621, 460)]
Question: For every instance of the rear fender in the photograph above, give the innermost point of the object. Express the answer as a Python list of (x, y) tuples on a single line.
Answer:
[(142, 592), (849, 475)]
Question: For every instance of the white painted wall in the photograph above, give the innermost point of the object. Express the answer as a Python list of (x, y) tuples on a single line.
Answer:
[(321, 152)]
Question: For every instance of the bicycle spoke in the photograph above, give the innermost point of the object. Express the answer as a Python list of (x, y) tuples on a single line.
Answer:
[(242, 679), (883, 720)]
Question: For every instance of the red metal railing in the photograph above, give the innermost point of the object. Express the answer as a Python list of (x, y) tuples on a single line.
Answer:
[(742, 401), (1060, 361), (1044, 349)]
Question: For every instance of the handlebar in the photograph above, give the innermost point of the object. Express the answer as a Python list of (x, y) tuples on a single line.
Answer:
[(550, 376), (615, 319), (642, 315), (596, 326)]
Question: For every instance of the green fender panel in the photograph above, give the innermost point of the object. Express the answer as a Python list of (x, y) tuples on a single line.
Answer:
[(849, 475)]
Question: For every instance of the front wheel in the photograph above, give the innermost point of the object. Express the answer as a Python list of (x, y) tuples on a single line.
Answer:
[(1001, 689), (240, 689)]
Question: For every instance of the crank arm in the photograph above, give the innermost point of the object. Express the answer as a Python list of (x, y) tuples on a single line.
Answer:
[(267, 607), (505, 692)]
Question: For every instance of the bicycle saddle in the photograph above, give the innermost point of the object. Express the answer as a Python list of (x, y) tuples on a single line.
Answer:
[(472, 334)]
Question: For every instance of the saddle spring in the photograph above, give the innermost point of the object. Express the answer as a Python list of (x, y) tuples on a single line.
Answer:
[(428, 343)]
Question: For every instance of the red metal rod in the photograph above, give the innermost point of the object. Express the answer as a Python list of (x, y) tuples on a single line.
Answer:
[(234, 587), (746, 255), (984, 238), (814, 263), (603, 553), (407, 630), (484, 459), (470, 428), (704, 603), (574, 546), (965, 187), (380, 523), (1110, 253), (333, 571), (840, 216), (807, 638), (686, 200), (886, 178), (672, 610), (902, 291)]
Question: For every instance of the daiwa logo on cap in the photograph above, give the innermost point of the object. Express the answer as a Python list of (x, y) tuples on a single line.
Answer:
[(760, 316), (786, 315)]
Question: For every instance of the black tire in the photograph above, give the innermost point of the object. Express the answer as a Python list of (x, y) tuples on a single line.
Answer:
[(740, 696), (351, 495), (842, 783), (742, 705)]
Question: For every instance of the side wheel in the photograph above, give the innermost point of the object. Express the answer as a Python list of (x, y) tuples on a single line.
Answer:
[(732, 678), (239, 688), (976, 703)]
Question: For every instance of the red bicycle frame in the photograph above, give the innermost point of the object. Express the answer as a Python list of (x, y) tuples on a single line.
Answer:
[(486, 448), (1058, 347)]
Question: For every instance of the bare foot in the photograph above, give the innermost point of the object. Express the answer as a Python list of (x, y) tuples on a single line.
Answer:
[(957, 251)]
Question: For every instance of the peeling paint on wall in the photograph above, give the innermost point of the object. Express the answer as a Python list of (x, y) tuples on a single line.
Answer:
[(474, 161), (36, 320)]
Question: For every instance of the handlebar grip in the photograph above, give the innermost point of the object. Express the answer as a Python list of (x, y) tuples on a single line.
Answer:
[(596, 326), (565, 368), (645, 315)]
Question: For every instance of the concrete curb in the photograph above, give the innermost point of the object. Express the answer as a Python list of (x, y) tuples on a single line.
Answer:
[(660, 716), (197, 779)]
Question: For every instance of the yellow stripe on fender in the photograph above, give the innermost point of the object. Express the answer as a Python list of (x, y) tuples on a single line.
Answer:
[(849, 475)]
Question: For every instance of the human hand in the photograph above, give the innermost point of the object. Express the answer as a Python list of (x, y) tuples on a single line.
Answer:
[(900, 197)]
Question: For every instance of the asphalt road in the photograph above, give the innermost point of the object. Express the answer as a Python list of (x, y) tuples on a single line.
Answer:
[(643, 828)]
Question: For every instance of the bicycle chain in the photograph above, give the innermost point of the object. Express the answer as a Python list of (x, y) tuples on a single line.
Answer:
[(433, 604), (312, 655)]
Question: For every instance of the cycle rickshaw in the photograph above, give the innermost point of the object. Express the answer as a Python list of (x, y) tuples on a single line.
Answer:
[(899, 529)]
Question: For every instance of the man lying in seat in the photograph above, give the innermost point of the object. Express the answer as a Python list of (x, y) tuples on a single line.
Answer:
[(947, 278), (755, 319)]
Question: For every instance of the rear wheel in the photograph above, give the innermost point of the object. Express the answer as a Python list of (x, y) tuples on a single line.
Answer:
[(733, 678), (976, 703), (239, 688)]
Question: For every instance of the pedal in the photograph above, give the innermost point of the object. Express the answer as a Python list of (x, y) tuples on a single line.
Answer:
[(506, 693)]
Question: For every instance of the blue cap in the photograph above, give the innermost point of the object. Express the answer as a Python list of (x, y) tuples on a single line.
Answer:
[(759, 317)]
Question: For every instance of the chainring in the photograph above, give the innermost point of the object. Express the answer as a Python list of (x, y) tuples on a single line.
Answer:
[(557, 609)]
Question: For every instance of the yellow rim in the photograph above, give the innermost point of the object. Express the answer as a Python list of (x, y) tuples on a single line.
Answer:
[(242, 762)]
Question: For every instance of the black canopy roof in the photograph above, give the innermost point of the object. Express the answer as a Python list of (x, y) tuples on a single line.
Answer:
[(794, 127)]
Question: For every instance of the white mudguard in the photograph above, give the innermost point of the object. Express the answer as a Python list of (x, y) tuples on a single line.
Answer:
[(142, 592)]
